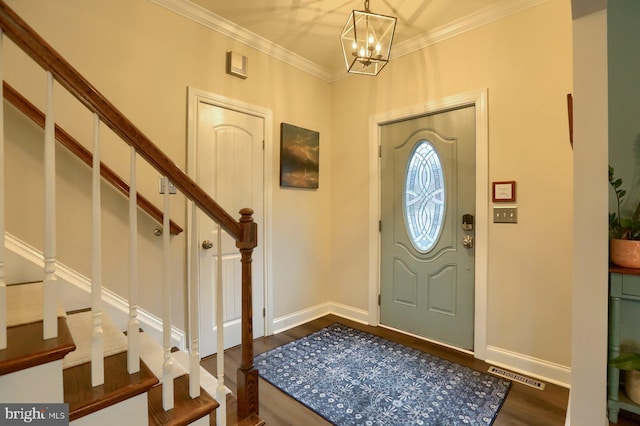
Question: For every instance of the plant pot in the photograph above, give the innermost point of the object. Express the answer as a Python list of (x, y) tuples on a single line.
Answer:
[(625, 253), (632, 385)]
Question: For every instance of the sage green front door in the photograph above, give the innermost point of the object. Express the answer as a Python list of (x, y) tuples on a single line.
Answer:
[(427, 258)]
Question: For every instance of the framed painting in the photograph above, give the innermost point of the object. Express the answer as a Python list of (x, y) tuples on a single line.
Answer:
[(299, 157)]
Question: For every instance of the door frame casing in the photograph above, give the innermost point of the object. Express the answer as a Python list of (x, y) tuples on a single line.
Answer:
[(477, 98), (195, 96)]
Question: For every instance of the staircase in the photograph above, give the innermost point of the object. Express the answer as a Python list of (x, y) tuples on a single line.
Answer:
[(29, 359), (105, 374)]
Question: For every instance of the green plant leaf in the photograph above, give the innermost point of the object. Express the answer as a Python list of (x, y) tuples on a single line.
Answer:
[(626, 361)]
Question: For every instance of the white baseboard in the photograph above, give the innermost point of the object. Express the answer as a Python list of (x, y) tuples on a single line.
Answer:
[(349, 312), (26, 263), (529, 366), (519, 363), (297, 318)]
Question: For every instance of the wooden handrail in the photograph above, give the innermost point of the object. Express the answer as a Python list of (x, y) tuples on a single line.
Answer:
[(45, 56), (244, 231), (66, 140)]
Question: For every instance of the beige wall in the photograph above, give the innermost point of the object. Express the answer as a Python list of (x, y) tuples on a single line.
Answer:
[(524, 61), (144, 57)]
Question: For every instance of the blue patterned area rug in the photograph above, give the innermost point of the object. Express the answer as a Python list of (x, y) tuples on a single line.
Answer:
[(350, 377)]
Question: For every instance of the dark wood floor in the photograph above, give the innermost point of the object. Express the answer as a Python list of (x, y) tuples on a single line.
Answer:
[(524, 405), (626, 419)]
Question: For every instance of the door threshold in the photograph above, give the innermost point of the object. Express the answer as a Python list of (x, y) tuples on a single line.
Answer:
[(426, 339)]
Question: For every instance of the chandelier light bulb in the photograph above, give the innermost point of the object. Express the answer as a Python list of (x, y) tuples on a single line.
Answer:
[(366, 41)]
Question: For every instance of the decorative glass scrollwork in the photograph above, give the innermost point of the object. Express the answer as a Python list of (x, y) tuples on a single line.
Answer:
[(424, 197)]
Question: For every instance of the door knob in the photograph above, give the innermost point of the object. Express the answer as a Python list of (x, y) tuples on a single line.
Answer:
[(467, 241), (206, 244)]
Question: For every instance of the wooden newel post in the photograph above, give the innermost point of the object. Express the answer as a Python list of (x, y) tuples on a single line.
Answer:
[(247, 374)]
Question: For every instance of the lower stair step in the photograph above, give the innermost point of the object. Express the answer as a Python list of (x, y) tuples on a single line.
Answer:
[(30, 366), (26, 348), (122, 398), (24, 304), (81, 327), (119, 385), (186, 410)]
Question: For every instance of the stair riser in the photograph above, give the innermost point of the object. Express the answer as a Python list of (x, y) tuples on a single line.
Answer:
[(132, 411), (204, 421), (40, 384)]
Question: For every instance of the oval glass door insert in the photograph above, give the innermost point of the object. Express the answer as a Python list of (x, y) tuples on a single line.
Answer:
[(424, 197)]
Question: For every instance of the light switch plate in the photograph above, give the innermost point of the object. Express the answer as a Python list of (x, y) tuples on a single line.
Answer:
[(505, 214), (162, 185)]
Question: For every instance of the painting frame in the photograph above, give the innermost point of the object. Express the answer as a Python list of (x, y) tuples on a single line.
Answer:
[(299, 157)]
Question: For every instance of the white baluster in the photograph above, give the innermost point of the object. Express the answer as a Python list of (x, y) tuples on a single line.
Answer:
[(221, 414), (167, 365), (194, 305), (50, 320), (133, 328), (97, 334), (3, 286)]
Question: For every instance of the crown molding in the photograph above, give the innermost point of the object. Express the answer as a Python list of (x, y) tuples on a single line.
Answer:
[(204, 17), (227, 28)]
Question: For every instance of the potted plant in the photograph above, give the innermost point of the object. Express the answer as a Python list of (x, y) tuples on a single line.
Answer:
[(630, 363), (624, 232)]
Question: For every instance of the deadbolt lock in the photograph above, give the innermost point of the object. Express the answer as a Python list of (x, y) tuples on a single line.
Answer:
[(467, 222)]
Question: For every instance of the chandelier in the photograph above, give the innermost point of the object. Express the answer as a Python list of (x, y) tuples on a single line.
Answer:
[(366, 41)]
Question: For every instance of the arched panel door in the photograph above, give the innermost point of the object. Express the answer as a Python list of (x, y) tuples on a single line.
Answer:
[(229, 166)]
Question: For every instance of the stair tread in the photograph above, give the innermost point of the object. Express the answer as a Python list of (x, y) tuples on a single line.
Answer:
[(21, 308), (186, 409), (153, 355), (81, 328), (119, 385), (26, 348)]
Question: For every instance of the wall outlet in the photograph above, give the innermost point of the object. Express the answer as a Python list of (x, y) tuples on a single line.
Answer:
[(505, 215)]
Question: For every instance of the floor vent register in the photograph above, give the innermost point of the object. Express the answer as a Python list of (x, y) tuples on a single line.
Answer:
[(517, 377)]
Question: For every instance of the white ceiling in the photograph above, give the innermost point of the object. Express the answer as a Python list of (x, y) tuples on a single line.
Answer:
[(310, 29)]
